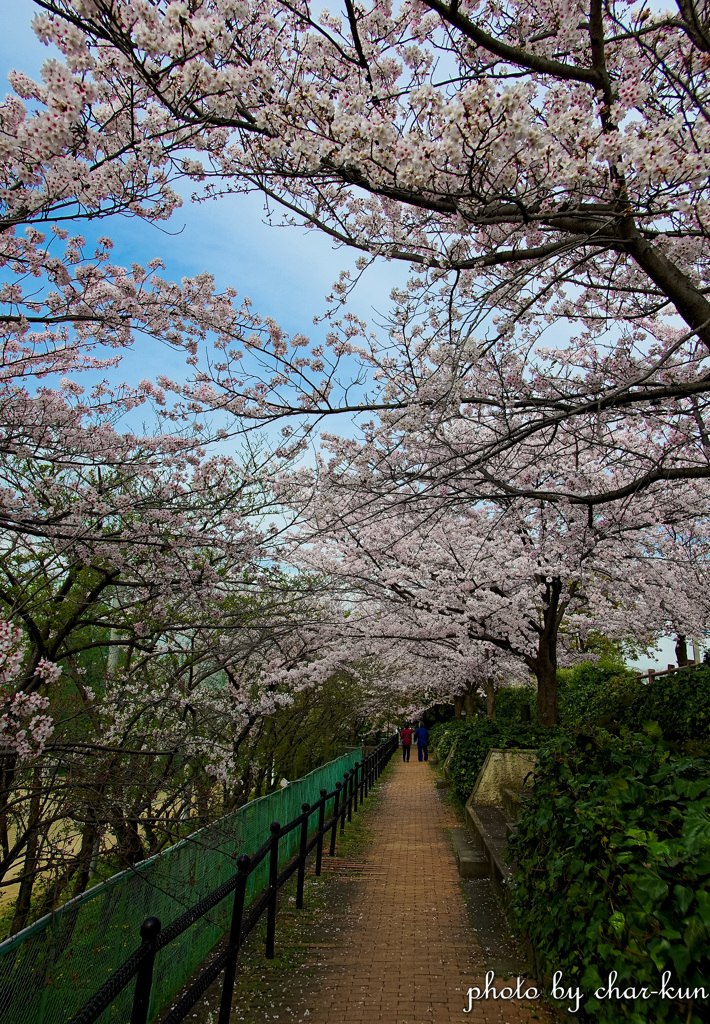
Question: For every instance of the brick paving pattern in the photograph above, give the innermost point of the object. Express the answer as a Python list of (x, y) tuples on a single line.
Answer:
[(410, 954)]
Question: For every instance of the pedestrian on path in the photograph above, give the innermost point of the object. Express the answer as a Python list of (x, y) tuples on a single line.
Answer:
[(422, 737), (406, 737)]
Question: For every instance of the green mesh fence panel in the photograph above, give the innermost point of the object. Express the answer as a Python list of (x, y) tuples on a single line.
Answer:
[(49, 970)]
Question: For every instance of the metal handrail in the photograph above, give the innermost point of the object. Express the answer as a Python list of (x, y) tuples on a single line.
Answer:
[(356, 783)]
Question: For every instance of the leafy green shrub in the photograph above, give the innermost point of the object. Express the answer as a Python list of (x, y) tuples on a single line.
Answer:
[(475, 737), (602, 694), (680, 703), (443, 735), (613, 851), (607, 697), (511, 701)]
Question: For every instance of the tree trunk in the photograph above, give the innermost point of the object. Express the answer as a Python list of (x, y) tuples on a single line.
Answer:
[(29, 872), (547, 710), (681, 650), (203, 811), (24, 897), (469, 703), (545, 664), (490, 698), (458, 707), (7, 783), (85, 859), (129, 846)]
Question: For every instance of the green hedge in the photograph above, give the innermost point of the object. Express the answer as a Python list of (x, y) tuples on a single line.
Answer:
[(613, 852), (601, 694), (613, 698), (474, 738), (680, 703), (510, 702)]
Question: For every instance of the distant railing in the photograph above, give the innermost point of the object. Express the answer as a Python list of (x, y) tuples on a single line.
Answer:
[(653, 673), (347, 794)]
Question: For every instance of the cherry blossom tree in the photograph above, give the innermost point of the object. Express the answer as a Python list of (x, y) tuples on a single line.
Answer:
[(158, 638), (542, 168), (535, 165), (524, 578), (110, 758), (67, 311)]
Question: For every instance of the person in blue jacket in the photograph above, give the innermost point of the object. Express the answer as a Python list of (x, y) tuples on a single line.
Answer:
[(422, 737)]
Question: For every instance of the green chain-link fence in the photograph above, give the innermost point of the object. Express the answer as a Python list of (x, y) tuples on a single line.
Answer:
[(49, 970)]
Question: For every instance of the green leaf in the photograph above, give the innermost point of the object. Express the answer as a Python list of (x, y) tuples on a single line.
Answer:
[(695, 933), (617, 923), (653, 730), (650, 888), (684, 896), (703, 898)]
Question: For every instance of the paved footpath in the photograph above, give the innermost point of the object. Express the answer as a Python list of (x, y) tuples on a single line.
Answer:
[(410, 954)]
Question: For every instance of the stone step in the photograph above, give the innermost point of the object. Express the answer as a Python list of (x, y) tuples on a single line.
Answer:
[(470, 861), (489, 828)]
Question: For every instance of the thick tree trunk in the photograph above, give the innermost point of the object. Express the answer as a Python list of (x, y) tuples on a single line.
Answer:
[(469, 703), (545, 664), (547, 710), (681, 650), (458, 707), (203, 811), (7, 783)]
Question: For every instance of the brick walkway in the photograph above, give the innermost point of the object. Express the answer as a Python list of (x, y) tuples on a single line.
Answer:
[(410, 954)]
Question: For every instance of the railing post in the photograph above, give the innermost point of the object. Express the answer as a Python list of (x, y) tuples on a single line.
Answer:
[(338, 787), (344, 804), (150, 930), (321, 822), (306, 808), (273, 878), (235, 934), (356, 787), (351, 792)]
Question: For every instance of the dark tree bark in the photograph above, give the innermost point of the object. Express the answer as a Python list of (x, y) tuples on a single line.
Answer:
[(85, 859), (469, 703), (544, 665), (490, 698), (29, 873), (681, 650), (547, 707)]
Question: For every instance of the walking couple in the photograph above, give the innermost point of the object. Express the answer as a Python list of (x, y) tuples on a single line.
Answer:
[(422, 737)]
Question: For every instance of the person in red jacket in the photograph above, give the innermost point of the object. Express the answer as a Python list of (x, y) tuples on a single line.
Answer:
[(406, 737)]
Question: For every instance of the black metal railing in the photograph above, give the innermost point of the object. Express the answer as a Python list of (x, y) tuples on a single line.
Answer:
[(347, 794)]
